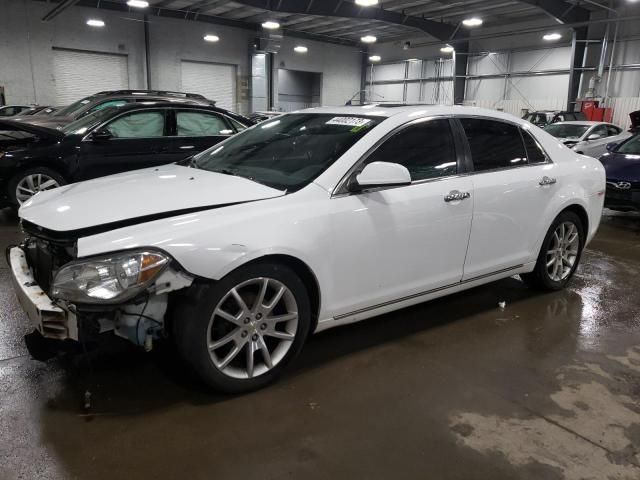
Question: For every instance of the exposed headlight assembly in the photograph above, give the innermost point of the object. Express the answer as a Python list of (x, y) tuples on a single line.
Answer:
[(110, 279)]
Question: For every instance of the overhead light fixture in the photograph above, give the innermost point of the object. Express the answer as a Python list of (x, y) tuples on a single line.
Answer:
[(413, 60), (94, 22), (211, 38), (138, 3), (300, 49), (368, 39), (447, 49), (366, 3), (270, 25), (550, 37), (375, 58), (472, 22)]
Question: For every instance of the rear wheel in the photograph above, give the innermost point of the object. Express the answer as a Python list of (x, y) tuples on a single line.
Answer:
[(559, 255), (26, 184), (240, 333)]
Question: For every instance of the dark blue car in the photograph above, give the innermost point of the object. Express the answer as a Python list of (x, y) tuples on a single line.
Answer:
[(622, 164)]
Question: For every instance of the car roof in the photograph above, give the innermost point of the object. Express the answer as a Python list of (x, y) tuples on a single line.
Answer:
[(417, 111), (182, 104)]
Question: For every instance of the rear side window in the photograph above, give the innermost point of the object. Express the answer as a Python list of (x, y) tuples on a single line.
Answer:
[(613, 130), (198, 124), (535, 153), (426, 149), (494, 144)]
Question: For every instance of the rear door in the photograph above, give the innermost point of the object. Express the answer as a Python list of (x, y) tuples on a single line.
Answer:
[(136, 141), (193, 131), (509, 200)]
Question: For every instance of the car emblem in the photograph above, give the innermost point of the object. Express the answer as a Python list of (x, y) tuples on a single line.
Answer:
[(623, 185)]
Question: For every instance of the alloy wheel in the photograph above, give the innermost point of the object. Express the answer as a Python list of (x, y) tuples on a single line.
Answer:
[(563, 251), (32, 184), (252, 328)]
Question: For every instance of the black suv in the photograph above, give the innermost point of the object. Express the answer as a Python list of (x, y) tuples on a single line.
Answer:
[(111, 140), (112, 98)]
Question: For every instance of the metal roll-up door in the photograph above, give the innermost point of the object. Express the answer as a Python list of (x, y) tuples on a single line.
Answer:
[(79, 74), (213, 80)]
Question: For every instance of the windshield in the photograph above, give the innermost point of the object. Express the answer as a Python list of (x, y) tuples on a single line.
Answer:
[(566, 130), (289, 152), (631, 146), (70, 109), (82, 125)]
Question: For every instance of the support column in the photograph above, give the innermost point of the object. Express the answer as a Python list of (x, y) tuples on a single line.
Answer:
[(461, 60), (146, 51), (578, 46)]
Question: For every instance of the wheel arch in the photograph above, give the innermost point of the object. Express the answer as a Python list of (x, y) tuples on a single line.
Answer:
[(581, 212), (305, 273)]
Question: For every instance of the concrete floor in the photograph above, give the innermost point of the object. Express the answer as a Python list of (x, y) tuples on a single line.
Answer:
[(452, 389)]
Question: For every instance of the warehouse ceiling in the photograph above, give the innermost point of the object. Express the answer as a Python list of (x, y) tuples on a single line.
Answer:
[(343, 20)]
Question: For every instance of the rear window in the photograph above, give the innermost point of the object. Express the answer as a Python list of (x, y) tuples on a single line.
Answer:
[(494, 144)]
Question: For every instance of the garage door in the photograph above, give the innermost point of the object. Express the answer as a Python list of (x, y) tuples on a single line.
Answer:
[(79, 74), (213, 80)]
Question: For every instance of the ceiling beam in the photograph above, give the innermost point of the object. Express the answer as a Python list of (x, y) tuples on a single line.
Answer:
[(560, 10), (58, 9), (343, 9)]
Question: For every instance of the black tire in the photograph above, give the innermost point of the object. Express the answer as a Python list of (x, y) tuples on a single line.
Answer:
[(16, 179), (539, 278), (193, 312)]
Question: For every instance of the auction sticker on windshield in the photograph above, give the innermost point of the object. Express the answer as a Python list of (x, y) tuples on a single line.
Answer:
[(349, 121)]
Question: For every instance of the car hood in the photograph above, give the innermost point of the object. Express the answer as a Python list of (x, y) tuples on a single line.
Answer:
[(136, 197), (620, 166), (38, 130), (48, 121)]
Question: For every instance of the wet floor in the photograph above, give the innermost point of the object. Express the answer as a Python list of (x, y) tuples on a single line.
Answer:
[(457, 388)]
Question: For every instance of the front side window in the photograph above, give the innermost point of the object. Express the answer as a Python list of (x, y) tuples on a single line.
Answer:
[(612, 130), (289, 152), (567, 130), (426, 149), (535, 153), (631, 146), (600, 130), (493, 144), (138, 125), (198, 124)]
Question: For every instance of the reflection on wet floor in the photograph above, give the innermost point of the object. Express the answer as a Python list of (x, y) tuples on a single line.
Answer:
[(548, 387)]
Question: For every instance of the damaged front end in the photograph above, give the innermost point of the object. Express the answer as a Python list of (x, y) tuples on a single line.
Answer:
[(73, 300)]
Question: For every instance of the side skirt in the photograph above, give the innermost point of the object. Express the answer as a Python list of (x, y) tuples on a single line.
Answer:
[(421, 297)]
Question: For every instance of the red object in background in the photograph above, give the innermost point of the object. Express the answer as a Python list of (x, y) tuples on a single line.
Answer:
[(594, 113)]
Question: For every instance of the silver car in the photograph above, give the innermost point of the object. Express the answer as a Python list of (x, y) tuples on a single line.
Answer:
[(588, 138)]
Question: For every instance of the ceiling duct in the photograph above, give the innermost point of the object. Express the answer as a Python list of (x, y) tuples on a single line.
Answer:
[(269, 40)]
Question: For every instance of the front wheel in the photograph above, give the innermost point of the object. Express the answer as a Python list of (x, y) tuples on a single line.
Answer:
[(559, 255), (26, 184), (240, 333)]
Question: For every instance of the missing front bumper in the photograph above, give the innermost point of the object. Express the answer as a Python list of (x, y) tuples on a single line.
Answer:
[(49, 319)]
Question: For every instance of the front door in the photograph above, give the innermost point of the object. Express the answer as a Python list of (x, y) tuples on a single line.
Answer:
[(403, 241), (136, 141)]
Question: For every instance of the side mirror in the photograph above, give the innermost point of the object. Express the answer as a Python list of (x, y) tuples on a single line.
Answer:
[(381, 174), (101, 135), (611, 146), (594, 136)]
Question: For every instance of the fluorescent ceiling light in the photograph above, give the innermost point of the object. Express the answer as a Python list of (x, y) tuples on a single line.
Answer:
[(93, 22), (549, 37), (447, 49), (138, 3), (369, 39), (211, 38), (375, 58), (472, 22), (271, 25), (366, 3), (301, 49), (412, 60)]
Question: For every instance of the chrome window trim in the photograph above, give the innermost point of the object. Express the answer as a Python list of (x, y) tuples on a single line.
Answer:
[(341, 187)]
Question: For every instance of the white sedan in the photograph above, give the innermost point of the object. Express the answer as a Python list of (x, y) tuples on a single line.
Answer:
[(588, 138), (315, 219)]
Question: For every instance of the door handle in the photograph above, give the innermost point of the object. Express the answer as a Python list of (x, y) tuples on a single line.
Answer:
[(546, 181), (456, 195), (187, 147)]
